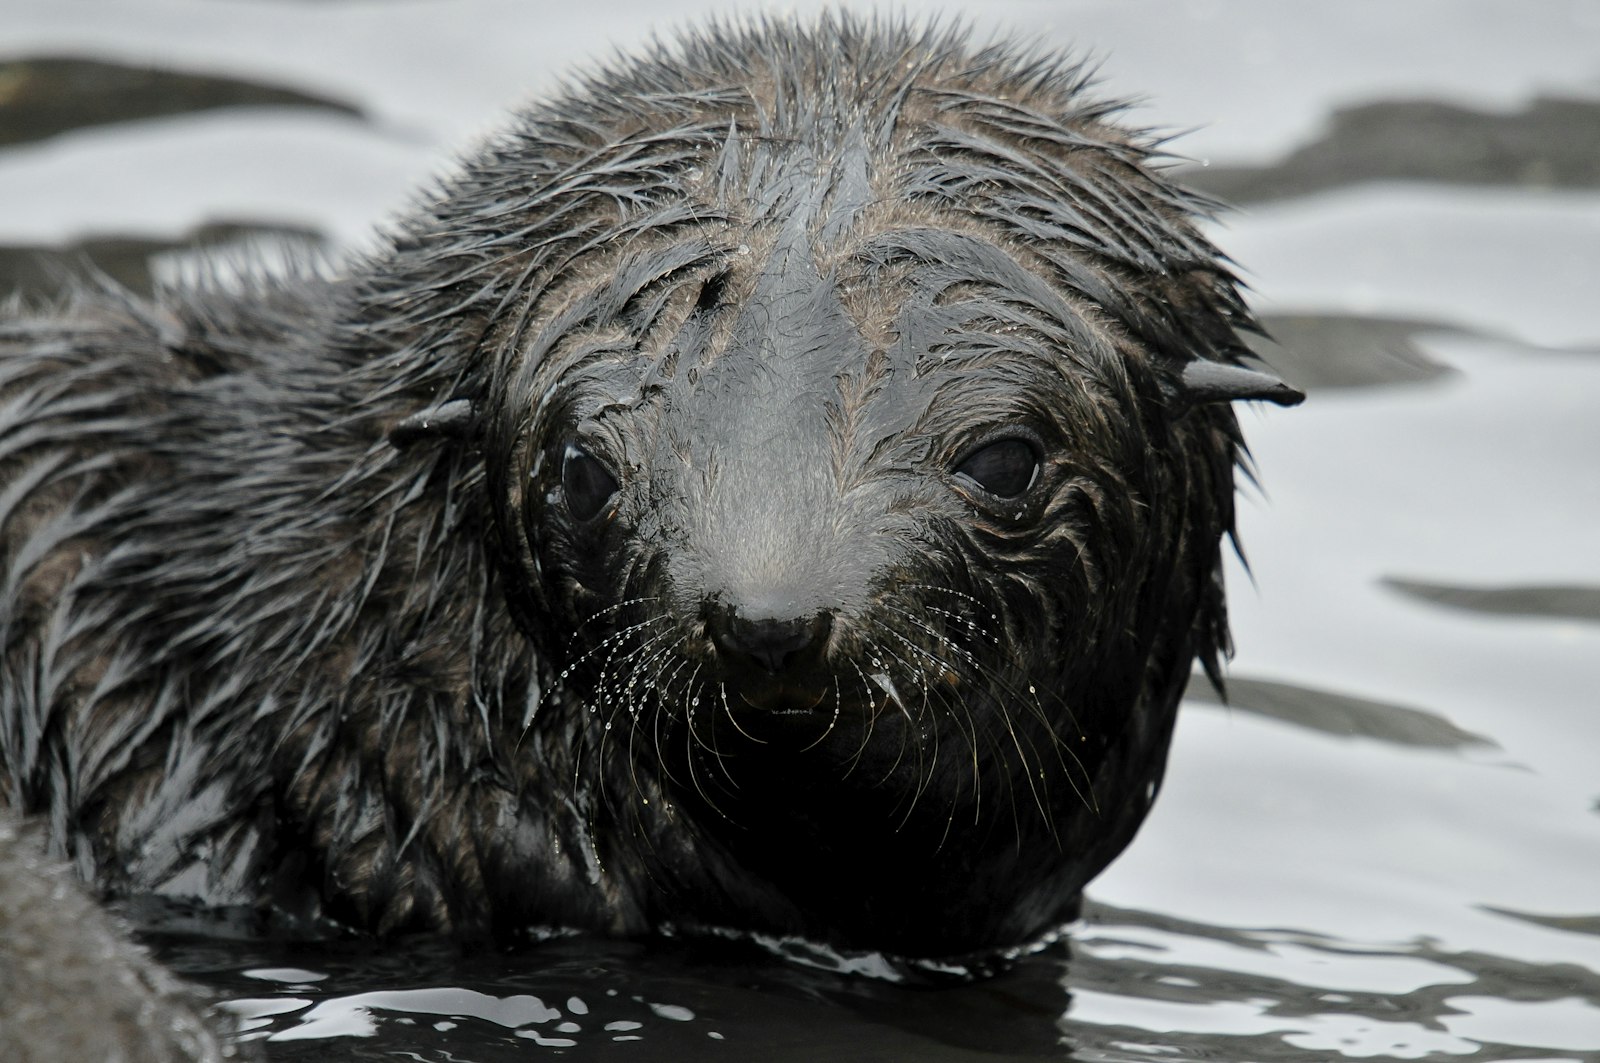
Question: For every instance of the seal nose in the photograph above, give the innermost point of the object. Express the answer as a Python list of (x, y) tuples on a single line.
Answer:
[(772, 643)]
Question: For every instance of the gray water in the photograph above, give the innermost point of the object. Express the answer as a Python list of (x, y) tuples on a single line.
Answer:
[(1386, 847)]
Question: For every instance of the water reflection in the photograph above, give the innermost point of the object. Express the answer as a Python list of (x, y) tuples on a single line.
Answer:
[(1341, 715), (49, 95), (1552, 601), (1134, 986), (1264, 994), (1550, 143)]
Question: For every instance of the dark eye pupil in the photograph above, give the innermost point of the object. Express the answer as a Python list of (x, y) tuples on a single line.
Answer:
[(588, 484), (1005, 468)]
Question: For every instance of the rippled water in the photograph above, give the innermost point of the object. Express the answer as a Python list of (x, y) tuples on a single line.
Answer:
[(1386, 847)]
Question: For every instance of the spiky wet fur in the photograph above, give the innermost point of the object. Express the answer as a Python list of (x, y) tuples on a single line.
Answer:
[(253, 650)]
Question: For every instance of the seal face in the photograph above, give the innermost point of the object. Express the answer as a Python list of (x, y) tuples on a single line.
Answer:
[(779, 486)]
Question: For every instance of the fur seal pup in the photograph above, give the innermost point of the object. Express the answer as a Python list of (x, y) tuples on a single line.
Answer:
[(778, 485)]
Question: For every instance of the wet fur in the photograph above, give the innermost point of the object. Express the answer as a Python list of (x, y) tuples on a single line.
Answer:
[(291, 614)]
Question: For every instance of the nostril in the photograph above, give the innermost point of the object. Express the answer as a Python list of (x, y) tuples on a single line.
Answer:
[(772, 643)]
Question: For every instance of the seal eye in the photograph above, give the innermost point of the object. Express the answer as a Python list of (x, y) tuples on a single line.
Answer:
[(1005, 468), (588, 484)]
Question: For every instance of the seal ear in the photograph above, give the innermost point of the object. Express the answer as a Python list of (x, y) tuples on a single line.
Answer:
[(455, 419), (1203, 381)]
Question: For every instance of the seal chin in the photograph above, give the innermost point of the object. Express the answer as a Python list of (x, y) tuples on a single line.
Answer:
[(780, 697)]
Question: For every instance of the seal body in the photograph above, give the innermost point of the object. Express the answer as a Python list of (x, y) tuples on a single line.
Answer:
[(777, 486)]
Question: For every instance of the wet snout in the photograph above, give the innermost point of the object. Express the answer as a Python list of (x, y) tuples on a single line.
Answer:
[(772, 648), (777, 580), (769, 636)]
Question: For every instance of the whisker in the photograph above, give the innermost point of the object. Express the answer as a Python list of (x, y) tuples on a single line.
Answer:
[(997, 682), (838, 706), (868, 722), (577, 632), (727, 710)]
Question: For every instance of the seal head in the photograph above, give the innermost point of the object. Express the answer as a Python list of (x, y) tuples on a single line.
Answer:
[(868, 460)]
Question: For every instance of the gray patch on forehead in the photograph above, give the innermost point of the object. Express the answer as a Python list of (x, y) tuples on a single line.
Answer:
[(850, 191), (793, 334)]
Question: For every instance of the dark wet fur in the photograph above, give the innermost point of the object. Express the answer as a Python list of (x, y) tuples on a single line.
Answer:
[(295, 610)]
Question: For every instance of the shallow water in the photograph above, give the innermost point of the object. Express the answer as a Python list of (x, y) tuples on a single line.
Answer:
[(1387, 847)]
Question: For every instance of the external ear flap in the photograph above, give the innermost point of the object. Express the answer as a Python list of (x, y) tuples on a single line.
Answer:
[(1203, 381), (455, 419)]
